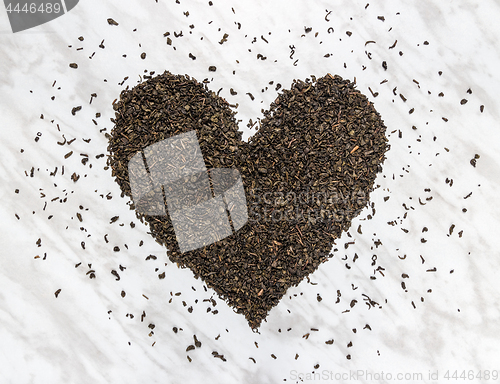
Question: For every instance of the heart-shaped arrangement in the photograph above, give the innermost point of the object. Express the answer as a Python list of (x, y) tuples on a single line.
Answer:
[(306, 173)]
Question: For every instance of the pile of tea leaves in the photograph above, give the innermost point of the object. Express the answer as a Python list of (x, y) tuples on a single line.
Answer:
[(307, 173)]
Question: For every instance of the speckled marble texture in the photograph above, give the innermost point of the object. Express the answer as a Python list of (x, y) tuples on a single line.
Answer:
[(102, 330)]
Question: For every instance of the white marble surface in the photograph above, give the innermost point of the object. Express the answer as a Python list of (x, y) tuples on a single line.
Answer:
[(86, 334)]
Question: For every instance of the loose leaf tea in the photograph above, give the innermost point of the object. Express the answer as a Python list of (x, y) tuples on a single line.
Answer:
[(307, 172)]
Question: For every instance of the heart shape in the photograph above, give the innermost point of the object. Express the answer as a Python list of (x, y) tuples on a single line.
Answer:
[(306, 173)]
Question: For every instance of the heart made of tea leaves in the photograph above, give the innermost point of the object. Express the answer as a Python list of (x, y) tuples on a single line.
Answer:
[(306, 173)]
